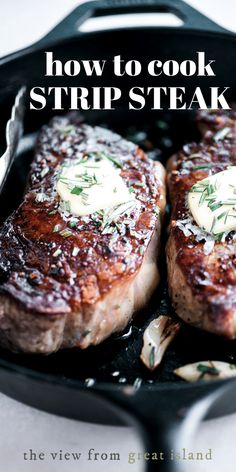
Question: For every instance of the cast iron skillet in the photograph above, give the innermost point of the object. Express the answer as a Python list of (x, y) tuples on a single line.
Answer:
[(165, 409)]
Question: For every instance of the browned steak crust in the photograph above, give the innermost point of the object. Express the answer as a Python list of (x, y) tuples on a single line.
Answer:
[(202, 282), (211, 121), (39, 275)]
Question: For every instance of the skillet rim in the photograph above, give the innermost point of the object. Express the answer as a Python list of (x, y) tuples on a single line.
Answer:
[(41, 46)]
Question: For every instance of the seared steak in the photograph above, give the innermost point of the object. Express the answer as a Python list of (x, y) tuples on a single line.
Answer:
[(67, 281), (211, 121), (202, 270)]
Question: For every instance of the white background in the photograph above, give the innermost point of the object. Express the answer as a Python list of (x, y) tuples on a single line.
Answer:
[(21, 428)]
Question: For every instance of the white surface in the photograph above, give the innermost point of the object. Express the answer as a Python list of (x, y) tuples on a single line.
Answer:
[(23, 428)]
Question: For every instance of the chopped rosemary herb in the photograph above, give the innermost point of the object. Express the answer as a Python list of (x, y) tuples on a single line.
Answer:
[(221, 134), (57, 253), (67, 130), (82, 160), (76, 191), (66, 233), (213, 224), (110, 216), (86, 332), (72, 223), (162, 125), (203, 196), (86, 178), (214, 205), (209, 195), (79, 183), (226, 216), (75, 251), (112, 159), (152, 357), (205, 369), (40, 197), (84, 198), (65, 206), (44, 171), (56, 228), (103, 155), (230, 201), (219, 237), (141, 250), (222, 215), (195, 155), (90, 166), (203, 166)]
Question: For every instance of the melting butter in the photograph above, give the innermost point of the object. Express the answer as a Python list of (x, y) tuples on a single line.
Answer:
[(92, 186), (212, 202)]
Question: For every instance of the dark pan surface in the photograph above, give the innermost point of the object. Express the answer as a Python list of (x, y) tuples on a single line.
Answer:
[(116, 361)]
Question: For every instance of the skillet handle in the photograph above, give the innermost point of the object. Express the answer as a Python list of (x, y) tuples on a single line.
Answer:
[(168, 419), (69, 27)]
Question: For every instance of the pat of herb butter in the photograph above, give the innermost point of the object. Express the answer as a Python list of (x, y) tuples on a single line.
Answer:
[(92, 186), (212, 202)]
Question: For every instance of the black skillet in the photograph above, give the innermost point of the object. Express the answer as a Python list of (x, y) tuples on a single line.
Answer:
[(164, 409)]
